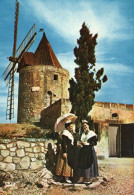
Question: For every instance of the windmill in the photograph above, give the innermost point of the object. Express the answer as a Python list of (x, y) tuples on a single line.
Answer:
[(14, 59)]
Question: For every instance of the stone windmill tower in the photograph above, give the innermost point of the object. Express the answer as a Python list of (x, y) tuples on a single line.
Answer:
[(42, 82)]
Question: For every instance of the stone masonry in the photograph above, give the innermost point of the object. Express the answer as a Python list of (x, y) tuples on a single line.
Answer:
[(23, 154), (38, 89)]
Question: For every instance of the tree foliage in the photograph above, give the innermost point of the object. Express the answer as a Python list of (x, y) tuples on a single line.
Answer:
[(87, 79)]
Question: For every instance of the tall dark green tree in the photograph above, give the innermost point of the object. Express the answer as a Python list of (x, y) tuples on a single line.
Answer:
[(87, 79)]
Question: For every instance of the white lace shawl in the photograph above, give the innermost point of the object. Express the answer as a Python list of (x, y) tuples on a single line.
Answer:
[(85, 137), (69, 135)]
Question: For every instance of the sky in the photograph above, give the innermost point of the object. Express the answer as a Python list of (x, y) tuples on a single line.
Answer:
[(61, 20)]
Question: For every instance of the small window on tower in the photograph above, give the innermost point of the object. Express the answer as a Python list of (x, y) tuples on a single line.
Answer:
[(55, 77)]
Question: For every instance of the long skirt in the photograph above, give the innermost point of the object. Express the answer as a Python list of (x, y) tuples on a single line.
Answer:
[(62, 167), (92, 171)]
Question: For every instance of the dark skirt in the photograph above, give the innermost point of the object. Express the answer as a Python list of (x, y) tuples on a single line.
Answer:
[(92, 171), (85, 157)]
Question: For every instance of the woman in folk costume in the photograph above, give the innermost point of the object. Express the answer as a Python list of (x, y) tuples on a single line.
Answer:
[(64, 163), (88, 166)]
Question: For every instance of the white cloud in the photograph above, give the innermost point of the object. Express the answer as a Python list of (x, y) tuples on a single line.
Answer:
[(67, 61), (66, 18), (116, 68), (111, 67)]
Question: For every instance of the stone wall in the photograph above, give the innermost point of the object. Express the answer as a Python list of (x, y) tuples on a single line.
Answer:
[(23, 154), (50, 114), (32, 154), (104, 112)]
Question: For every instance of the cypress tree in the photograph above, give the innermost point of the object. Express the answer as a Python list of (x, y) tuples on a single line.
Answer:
[(87, 80)]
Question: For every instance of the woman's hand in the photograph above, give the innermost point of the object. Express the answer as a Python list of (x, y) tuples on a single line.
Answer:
[(86, 143), (80, 143), (65, 155)]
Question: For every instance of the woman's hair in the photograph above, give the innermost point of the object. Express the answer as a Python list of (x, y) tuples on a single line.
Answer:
[(84, 121), (67, 124)]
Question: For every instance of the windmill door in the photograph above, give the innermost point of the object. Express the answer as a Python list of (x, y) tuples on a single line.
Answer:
[(113, 136)]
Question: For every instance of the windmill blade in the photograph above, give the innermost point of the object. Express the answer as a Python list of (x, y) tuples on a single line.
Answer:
[(27, 42), (10, 70), (10, 75), (15, 27), (12, 67), (24, 46), (10, 98), (7, 70)]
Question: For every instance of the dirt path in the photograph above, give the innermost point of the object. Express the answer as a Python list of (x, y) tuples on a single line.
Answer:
[(122, 171), (118, 172)]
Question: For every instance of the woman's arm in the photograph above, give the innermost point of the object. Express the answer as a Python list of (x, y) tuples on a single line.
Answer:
[(92, 141), (64, 143)]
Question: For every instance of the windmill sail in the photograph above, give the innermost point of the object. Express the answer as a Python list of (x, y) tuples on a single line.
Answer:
[(27, 42), (15, 58), (10, 98), (24, 46)]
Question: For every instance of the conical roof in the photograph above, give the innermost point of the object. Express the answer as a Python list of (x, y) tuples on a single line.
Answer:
[(43, 55)]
